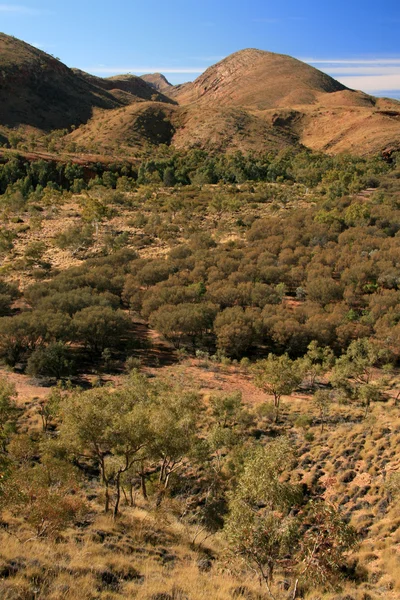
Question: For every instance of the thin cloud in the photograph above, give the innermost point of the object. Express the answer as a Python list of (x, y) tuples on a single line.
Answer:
[(266, 20), (377, 75), (18, 9), (112, 70), (207, 58), (352, 61), (372, 83), (364, 70), (274, 20)]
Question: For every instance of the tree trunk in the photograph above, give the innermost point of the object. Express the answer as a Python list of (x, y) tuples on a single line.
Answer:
[(143, 483), (162, 470), (276, 405), (117, 501), (105, 483), (131, 494), (296, 585), (107, 500)]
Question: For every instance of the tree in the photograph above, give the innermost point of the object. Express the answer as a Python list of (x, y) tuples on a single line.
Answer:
[(174, 429), (367, 394), (260, 527), (8, 410), (237, 329), (271, 525), (324, 290), (357, 362), (277, 376), (226, 409), (323, 400), (100, 327), (50, 361), (28, 330), (324, 540), (352, 373), (49, 408), (183, 320), (46, 494), (110, 428), (316, 362), (8, 293)]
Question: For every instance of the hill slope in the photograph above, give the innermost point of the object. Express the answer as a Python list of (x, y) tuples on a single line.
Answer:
[(295, 101), (259, 80), (137, 88), (251, 100), (40, 91), (158, 81)]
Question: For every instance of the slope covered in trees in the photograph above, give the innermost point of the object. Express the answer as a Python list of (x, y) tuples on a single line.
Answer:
[(219, 340)]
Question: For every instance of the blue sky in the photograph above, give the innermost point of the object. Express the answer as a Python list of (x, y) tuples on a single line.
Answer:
[(356, 41)]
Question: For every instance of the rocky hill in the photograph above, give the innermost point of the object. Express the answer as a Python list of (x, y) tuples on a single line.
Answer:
[(38, 90), (259, 80), (133, 88), (159, 82), (250, 101)]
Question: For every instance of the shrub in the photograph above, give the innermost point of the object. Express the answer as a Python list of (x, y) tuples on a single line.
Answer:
[(99, 327), (50, 361)]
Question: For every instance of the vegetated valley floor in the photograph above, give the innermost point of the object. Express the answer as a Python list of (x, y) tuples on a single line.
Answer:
[(153, 550)]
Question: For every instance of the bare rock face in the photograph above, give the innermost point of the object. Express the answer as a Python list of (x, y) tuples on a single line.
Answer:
[(261, 80), (158, 81)]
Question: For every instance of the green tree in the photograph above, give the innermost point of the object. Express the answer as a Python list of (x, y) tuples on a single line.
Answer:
[(277, 376), (51, 361), (237, 329), (271, 525), (111, 428), (8, 411), (323, 400), (174, 429), (100, 327), (264, 537), (316, 362), (183, 321)]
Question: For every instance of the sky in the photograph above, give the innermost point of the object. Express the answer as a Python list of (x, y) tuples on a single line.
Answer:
[(355, 41)]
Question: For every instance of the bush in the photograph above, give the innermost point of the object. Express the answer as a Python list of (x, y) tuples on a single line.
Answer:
[(99, 327), (237, 329), (51, 361), (75, 238)]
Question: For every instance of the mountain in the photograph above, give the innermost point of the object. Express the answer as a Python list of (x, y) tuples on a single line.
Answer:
[(38, 90), (259, 80), (158, 81), (136, 88), (251, 101), (292, 99)]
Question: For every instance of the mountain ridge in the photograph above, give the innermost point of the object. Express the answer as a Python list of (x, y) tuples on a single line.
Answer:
[(249, 101)]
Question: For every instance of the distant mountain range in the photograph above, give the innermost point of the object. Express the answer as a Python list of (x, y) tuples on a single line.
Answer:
[(251, 100)]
